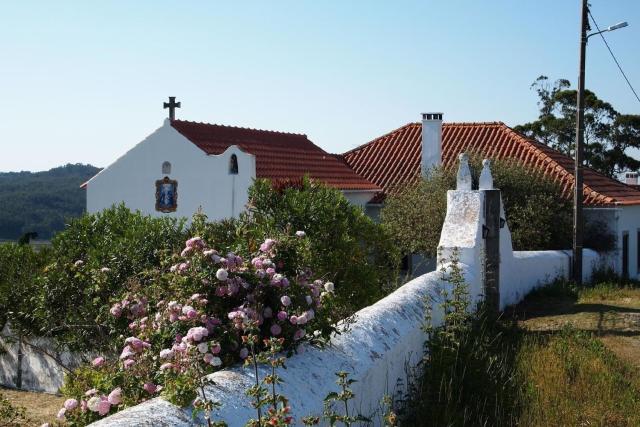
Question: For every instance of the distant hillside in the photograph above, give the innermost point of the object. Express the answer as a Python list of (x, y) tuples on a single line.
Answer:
[(41, 201)]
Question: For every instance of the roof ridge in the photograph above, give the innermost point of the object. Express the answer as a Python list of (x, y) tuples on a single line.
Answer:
[(378, 138), (487, 123), (244, 128), (494, 123), (538, 146)]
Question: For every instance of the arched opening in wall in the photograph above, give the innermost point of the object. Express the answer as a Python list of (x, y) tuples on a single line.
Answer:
[(166, 168), (233, 165)]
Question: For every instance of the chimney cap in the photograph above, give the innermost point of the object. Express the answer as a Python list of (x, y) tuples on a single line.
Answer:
[(431, 116)]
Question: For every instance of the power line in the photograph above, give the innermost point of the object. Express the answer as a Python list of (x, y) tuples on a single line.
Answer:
[(614, 57)]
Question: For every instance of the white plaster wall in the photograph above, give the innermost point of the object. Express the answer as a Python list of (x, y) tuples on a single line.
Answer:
[(387, 336), (358, 197), (629, 221), (40, 369), (203, 180)]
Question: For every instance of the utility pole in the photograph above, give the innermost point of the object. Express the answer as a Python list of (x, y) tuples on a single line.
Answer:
[(579, 153)]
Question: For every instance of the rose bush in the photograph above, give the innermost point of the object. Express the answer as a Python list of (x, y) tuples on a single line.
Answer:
[(192, 316)]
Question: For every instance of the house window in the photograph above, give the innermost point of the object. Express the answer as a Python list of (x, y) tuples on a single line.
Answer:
[(233, 165), (166, 168)]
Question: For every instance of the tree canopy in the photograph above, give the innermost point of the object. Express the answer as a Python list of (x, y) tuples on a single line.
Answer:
[(42, 202), (608, 134)]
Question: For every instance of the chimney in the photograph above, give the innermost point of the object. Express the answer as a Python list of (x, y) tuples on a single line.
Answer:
[(431, 141), (631, 178)]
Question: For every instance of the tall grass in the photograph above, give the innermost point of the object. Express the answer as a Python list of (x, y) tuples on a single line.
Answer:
[(572, 379), (484, 371)]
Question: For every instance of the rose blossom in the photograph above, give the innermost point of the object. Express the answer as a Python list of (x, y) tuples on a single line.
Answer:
[(267, 245), (282, 315), (285, 300), (329, 287), (70, 404), (115, 397), (92, 404), (222, 274), (166, 353), (103, 407), (150, 388), (275, 329), (116, 310), (203, 347), (244, 353), (61, 413), (98, 361)]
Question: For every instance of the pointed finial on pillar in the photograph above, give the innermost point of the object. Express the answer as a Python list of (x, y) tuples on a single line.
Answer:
[(486, 180), (464, 173)]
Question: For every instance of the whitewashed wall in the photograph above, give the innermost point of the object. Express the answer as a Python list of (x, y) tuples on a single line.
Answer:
[(203, 180), (385, 340), (41, 362)]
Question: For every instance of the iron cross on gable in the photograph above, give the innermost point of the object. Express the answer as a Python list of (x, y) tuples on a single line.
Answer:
[(172, 105)]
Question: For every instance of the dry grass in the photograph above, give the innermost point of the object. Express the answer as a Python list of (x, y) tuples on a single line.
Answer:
[(40, 407), (579, 357)]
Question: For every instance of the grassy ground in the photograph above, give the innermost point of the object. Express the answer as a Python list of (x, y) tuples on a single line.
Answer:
[(39, 407), (563, 357), (579, 357)]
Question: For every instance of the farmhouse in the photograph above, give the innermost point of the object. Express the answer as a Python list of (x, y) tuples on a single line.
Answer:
[(400, 156), (184, 166)]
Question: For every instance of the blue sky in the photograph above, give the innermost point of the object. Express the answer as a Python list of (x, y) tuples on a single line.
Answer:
[(85, 81)]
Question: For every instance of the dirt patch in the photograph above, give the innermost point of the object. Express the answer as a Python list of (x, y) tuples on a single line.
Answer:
[(41, 407)]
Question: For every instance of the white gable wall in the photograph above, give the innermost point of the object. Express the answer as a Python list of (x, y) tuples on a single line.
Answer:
[(203, 180)]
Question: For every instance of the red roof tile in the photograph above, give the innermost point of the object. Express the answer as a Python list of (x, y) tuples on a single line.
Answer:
[(394, 159), (280, 156)]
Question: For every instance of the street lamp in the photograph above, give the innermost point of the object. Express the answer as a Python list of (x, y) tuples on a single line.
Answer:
[(579, 151)]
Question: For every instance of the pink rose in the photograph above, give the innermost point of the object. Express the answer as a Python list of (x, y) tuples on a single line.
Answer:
[(215, 349), (244, 353), (275, 329), (150, 388), (104, 407), (282, 315), (115, 397), (98, 361), (70, 404), (285, 300)]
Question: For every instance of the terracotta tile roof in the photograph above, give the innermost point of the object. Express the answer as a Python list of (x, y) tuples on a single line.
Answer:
[(280, 156), (394, 159)]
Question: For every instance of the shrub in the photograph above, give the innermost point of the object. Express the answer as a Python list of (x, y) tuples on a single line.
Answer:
[(345, 246), (92, 260), (538, 215), (205, 311), (19, 269)]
